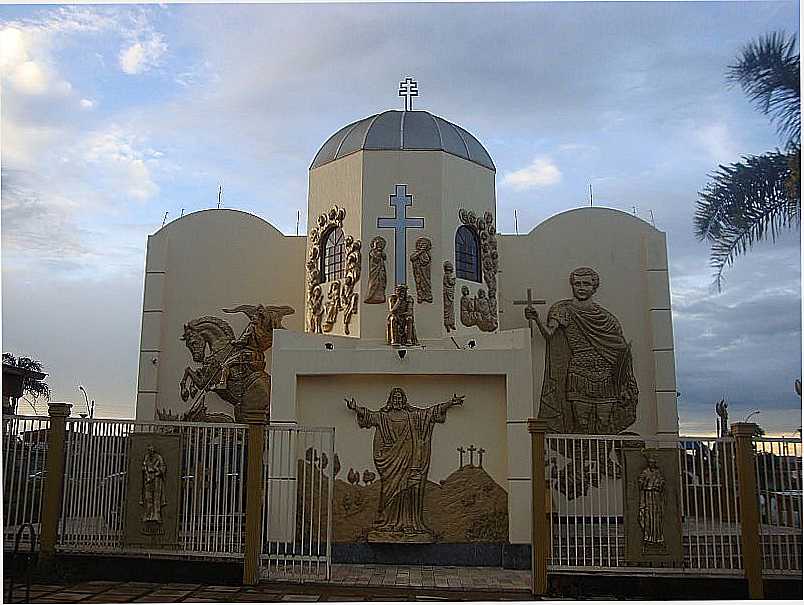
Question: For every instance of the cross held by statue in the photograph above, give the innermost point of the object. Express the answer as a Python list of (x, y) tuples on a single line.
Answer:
[(529, 305)]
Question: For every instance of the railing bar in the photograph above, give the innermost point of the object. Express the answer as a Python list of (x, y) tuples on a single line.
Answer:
[(15, 471), (100, 500), (209, 460), (767, 527), (585, 453), (728, 461), (330, 504), (765, 537), (196, 505), (220, 480), (229, 477), (241, 486), (27, 517)]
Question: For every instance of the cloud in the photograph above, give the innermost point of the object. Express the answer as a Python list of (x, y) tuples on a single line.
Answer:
[(143, 55), (542, 172), (87, 104), (716, 140)]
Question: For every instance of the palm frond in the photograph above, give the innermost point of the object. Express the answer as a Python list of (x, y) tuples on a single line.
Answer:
[(745, 203), (767, 69)]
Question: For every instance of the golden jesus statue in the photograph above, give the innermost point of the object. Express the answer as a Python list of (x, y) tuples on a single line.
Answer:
[(402, 442)]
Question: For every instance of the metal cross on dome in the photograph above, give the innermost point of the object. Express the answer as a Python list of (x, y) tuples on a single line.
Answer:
[(408, 88), (400, 223)]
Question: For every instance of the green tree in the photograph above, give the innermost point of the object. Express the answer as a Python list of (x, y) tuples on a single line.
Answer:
[(30, 386), (757, 198)]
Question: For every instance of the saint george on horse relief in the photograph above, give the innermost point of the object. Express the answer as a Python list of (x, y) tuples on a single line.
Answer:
[(234, 368)]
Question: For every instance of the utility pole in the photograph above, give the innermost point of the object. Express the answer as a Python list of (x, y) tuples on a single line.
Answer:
[(516, 223), (220, 195), (591, 199), (164, 219)]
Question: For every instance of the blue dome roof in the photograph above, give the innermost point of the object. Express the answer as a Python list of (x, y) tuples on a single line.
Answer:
[(403, 130)]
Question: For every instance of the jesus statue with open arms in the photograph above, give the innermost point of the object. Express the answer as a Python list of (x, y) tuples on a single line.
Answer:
[(402, 442)]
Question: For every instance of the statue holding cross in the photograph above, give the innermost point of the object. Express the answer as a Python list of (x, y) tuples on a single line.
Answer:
[(529, 308), (589, 384)]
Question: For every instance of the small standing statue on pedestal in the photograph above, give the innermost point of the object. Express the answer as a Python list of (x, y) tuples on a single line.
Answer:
[(651, 503), (153, 486), (401, 328)]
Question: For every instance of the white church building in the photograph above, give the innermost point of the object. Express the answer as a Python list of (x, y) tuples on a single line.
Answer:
[(409, 198)]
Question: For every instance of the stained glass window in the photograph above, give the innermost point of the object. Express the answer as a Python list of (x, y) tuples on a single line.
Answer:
[(332, 262), (467, 254)]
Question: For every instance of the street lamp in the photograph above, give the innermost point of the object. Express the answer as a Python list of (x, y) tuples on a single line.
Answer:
[(90, 407), (747, 418)]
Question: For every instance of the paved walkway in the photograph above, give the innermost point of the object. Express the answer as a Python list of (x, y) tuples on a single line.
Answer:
[(349, 583)]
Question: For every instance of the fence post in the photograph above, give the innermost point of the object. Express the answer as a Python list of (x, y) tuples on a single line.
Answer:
[(54, 477), (750, 538), (539, 534), (254, 470)]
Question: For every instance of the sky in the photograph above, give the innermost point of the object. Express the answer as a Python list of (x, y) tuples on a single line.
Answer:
[(113, 116)]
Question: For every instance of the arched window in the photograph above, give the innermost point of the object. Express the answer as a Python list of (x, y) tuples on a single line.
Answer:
[(467, 254), (332, 261)]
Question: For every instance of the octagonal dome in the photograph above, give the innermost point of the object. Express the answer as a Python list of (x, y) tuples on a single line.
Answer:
[(403, 130)]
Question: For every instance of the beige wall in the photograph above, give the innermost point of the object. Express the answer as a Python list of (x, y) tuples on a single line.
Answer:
[(440, 184), (631, 258), (195, 266)]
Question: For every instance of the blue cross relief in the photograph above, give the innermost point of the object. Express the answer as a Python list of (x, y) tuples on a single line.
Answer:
[(400, 223)]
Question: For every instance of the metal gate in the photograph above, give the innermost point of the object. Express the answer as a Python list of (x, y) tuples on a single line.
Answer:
[(299, 468)]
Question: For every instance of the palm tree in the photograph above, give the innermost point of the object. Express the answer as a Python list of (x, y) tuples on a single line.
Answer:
[(760, 196), (31, 387)]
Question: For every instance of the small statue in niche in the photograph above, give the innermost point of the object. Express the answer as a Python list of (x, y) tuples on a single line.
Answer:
[(316, 310), (349, 302), (333, 305), (377, 276), (353, 260), (651, 503), (467, 308), (401, 328), (153, 497), (589, 384), (449, 296), (422, 260)]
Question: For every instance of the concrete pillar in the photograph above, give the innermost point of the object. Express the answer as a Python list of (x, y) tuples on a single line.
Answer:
[(540, 536), (749, 507), (254, 496), (54, 478)]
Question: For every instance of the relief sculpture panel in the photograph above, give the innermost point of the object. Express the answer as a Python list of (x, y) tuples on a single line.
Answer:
[(652, 512), (154, 465), (589, 385), (231, 367), (422, 260), (378, 277), (339, 297), (490, 264), (402, 445), (449, 296)]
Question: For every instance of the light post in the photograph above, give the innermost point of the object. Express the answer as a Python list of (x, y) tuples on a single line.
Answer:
[(90, 407), (748, 417)]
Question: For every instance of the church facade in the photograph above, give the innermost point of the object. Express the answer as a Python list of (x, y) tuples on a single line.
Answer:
[(407, 322)]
